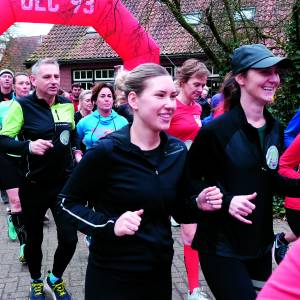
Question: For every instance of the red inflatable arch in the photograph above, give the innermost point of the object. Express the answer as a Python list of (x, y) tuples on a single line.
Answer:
[(110, 18)]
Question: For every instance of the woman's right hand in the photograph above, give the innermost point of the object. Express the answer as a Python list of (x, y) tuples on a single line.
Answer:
[(241, 206), (128, 223)]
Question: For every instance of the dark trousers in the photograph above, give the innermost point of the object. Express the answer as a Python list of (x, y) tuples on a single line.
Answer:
[(293, 219), (103, 284), (231, 278), (35, 200)]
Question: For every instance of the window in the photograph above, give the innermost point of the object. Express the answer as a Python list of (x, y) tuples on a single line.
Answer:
[(84, 77), (79, 75), (87, 85), (245, 13), (87, 77), (104, 74), (193, 18)]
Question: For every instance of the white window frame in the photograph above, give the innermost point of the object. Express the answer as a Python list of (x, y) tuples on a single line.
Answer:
[(104, 78), (193, 18), (247, 12), (80, 77)]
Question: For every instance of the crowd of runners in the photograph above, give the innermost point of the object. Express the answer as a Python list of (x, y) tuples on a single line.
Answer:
[(121, 163)]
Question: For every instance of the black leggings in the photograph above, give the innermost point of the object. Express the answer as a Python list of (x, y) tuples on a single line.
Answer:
[(35, 200), (103, 284), (231, 278), (293, 219)]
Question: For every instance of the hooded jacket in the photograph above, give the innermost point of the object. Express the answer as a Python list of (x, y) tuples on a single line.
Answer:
[(227, 153), (118, 177), (94, 126)]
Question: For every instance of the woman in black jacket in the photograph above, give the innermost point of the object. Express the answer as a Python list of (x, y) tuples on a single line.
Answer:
[(239, 153), (136, 178)]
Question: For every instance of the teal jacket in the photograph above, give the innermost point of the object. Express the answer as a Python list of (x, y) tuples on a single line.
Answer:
[(94, 126)]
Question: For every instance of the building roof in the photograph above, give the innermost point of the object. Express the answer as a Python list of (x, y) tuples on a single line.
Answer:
[(69, 43), (17, 51), (73, 43)]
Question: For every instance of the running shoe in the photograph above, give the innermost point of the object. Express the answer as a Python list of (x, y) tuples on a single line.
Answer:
[(11, 232), (57, 289), (279, 248), (21, 256), (37, 290), (197, 294)]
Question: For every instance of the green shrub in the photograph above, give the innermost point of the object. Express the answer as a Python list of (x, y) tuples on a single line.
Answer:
[(278, 207)]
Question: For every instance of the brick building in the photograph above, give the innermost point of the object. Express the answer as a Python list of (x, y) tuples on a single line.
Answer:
[(86, 58)]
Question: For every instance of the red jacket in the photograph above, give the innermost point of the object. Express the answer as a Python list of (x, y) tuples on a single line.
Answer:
[(290, 160), (75, 102)]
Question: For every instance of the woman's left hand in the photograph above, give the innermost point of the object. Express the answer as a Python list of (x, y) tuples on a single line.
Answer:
[(210, 199), (128, 223)]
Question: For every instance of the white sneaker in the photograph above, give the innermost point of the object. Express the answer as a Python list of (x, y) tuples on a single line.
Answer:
[(197, 294)]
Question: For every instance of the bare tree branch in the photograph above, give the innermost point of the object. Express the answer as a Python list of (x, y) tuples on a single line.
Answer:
[(231, 20), (213, 28), (198, 38)]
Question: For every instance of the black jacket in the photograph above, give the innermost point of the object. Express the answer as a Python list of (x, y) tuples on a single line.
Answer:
[(117, 176), (227, 153), (29, 119)]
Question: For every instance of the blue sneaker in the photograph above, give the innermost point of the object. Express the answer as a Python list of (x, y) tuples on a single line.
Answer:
[(57, 289), (37, 290), (279, 248)]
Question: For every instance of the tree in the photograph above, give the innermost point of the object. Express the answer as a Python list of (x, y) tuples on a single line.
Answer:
[(288, 100), (5, 40), (225, 24)]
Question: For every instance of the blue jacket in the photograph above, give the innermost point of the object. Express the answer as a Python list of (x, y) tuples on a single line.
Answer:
[(292, 129), (94, 126)]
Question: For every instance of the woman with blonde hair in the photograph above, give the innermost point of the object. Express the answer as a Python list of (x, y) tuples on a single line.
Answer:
[(85, 106), (137, 179)]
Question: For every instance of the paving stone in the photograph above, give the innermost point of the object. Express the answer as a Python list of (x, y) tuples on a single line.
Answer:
[(15, 279)]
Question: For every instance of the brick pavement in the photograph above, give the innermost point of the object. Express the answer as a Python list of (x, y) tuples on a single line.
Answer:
[(14, 278)]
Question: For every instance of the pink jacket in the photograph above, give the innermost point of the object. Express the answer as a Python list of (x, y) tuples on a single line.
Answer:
[(284, 284), (290, 160)]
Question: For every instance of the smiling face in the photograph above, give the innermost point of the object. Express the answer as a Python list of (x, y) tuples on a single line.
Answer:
[(260, 85), (22, 85), (155, 106), (46, 81), (105, 101), (192, 89)]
